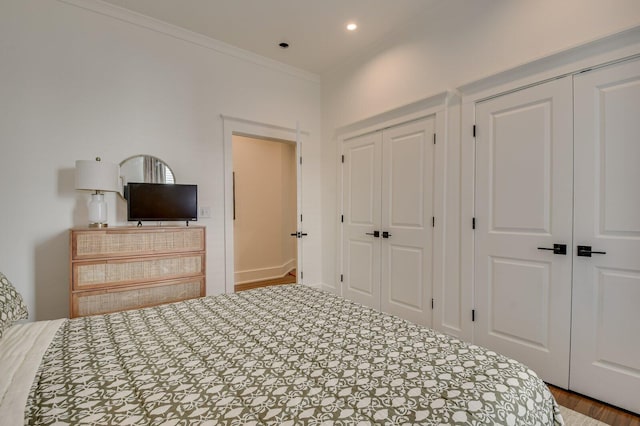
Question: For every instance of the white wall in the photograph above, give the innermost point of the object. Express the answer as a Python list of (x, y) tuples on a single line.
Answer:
[(76, 84), (459, 42), (265, 207)]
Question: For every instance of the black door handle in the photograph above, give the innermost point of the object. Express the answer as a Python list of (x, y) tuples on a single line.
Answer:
[(295, 234), (376, 234), (557, 249), (385, 234), (299, 234), (585, 251)]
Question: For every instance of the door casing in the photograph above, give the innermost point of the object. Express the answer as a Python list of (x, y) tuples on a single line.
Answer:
[(240, 126)]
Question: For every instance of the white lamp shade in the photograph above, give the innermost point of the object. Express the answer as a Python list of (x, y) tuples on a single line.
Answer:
[(97, 176)]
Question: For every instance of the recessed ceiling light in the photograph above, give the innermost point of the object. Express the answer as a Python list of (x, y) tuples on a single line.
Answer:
[(352, 26)]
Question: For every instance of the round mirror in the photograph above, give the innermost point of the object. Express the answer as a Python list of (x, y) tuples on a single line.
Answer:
[(146, 169)]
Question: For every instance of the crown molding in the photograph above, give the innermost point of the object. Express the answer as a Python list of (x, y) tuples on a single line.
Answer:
[(597, 52), (409, 112), (143, 21)]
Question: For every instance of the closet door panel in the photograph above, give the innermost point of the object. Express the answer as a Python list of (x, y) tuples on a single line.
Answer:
[(606, 286), (404, 274), (407, 209), (520, 139), (513, 280), (361, 204), (524, 202)]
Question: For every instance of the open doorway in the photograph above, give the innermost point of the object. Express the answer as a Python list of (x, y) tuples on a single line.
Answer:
[(264, 212)]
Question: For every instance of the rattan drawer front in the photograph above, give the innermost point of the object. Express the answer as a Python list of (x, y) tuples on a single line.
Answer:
[(139, 270), (127, 267), (106, 301), (118, 243)]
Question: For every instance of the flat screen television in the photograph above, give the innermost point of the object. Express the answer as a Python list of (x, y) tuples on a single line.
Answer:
[(161, 202)]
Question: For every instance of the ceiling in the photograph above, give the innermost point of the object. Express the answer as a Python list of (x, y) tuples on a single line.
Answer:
[(315, 29)]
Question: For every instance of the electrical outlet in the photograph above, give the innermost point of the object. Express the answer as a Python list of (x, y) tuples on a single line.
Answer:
[(205, 211)]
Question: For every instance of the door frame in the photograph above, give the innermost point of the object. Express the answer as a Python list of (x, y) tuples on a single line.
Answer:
[(244, 127)]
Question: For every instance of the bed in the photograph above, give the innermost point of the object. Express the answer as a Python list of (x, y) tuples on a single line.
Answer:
[(279, 355)]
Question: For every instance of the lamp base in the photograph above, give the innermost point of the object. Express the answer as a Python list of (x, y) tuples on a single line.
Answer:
[(98, 225), (97, 211)]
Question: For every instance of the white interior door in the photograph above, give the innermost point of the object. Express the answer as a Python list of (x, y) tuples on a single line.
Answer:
[(361, 210), (524, 202), (605, 343), (407, 210)]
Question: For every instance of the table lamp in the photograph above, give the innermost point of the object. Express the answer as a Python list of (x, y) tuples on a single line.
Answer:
[(99, 176)]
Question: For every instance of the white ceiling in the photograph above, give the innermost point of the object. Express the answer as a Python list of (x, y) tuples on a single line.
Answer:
[(315, 29)]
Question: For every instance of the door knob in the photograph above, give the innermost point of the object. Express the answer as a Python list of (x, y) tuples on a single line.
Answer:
[(585, 251), (557, 249), (385, 234), (376, 234)]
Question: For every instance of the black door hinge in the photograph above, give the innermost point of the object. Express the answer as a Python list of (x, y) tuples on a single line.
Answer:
[(301, 275), (342, 218), (434, 138), (474, 130), (300, 159), (432, 303), (300, 218), (473, 223), (341, 278), (473, 315), (343, 158), (433, 221)]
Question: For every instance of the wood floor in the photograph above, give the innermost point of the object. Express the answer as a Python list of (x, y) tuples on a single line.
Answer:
[(594, 409), (289, 278)]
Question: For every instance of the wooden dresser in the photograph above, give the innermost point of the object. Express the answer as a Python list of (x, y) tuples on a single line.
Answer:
[(120, 268)]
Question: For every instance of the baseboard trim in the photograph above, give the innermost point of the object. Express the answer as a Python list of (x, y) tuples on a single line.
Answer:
[(314, 285), (261, 274)]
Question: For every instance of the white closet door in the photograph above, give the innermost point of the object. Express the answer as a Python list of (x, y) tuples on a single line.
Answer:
[(361, 209), (605, 343), (407, 210), (524, 202)]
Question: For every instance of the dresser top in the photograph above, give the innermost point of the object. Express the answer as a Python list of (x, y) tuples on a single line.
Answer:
[(138, 228)]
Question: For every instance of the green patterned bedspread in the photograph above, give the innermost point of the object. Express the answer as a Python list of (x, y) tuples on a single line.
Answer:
[(279, 355)]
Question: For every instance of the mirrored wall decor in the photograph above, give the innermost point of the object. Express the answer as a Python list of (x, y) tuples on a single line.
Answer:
[(146, 169)]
